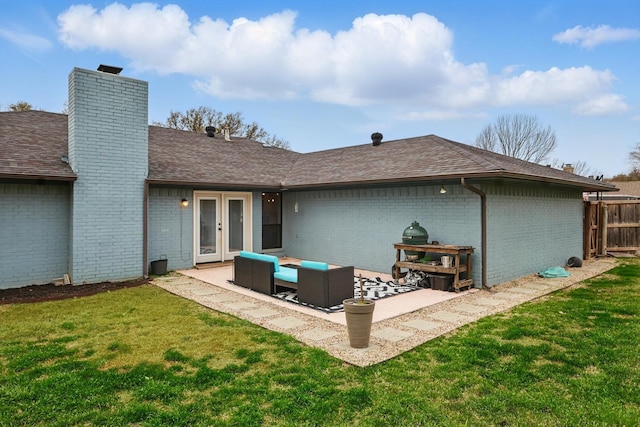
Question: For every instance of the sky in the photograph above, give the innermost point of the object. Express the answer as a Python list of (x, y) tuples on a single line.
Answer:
[(327, 74)]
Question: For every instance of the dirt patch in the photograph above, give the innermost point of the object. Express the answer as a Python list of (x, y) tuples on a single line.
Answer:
[(51, 292)]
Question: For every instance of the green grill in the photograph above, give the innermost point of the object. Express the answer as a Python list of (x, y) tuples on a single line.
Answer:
[(414, 235)]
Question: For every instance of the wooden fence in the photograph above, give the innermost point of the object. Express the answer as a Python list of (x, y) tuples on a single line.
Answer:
[(611, 227)]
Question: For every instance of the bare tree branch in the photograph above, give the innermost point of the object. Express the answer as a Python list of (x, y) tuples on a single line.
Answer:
[(518, 136), (197, 119)]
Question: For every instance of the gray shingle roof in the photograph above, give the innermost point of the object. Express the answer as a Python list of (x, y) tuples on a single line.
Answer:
[(627, 188), (418, 159), (31, 144), (178, 156)]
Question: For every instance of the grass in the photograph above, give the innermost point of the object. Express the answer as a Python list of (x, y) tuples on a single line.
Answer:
[(143, 357)]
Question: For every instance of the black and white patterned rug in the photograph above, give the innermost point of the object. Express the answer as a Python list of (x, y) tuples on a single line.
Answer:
[(373, 289)]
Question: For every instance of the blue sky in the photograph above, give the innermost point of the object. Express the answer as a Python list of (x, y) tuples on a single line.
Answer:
[(326, 74)]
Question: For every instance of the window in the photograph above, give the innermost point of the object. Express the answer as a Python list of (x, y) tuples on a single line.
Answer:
[(271, 220)]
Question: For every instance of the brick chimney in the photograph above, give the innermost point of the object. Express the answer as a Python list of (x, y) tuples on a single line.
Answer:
[(567, 168), (108, 151)]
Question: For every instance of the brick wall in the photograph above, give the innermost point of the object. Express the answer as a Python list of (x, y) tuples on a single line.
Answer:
[(34, 232), (359, 227), (108, 146), (171, 227), (529, 227)]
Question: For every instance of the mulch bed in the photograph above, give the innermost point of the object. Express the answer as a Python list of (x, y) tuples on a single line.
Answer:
[(51, 292)]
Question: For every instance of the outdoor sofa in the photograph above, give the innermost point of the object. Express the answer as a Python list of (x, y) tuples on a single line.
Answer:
[(315, 282)]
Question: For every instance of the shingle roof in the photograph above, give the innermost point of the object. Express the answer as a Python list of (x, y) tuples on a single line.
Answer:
[(629, 188), (417, 159), (31, 144), (178, 156)]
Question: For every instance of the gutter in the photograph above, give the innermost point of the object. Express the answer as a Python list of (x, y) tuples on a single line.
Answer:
[(483, 226), (145, 231)]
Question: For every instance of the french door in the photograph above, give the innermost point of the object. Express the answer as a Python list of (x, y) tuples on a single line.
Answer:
[(222, 225)]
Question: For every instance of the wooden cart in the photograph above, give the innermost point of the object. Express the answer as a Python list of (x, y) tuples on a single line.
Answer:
[(455, 269)]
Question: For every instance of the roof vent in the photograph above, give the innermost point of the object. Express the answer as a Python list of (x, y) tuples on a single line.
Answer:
[(109, 69), (211, 131), (376, 138), (227, 137)]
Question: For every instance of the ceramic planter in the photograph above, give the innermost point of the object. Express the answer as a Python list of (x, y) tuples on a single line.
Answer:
[(359, 314)]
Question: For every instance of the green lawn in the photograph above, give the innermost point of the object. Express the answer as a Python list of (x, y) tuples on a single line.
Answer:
[(143, 357)]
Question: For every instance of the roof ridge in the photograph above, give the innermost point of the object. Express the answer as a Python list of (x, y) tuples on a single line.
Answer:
[(471, 152)]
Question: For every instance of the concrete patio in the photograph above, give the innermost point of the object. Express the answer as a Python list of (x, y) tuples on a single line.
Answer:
[(401, 322)]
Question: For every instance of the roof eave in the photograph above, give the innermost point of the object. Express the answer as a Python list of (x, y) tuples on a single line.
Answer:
[(211, 184), (34, 177), (498, 174)]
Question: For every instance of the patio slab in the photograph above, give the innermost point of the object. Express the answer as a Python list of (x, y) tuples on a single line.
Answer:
[(469, 308), (401, 323), (261, 313), (449, 316), (318, 334), (423, 325), (391, 334), (287, 322)]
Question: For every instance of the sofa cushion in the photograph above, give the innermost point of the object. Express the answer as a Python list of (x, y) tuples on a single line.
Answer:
[(247, 254), (315, 265), (269, 258), (287, 274)]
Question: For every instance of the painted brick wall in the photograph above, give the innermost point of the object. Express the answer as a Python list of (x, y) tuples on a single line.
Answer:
[(34, 232), (171, 227), (108, 146), (359, 227), (531, 229)]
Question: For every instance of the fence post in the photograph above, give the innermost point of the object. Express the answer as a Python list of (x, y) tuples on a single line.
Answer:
[(602, 228)]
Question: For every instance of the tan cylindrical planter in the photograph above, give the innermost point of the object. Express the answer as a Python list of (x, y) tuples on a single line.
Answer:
[(359, 316)]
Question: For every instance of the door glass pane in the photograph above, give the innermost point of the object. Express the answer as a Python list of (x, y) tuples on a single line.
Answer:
[(236, 229), (208, 223), (271, 221)]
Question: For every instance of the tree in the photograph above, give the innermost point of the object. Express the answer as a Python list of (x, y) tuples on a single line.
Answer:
[(634, 156), (579, 167), (197, 119), (20, 106), (634, 175), (518, 136)]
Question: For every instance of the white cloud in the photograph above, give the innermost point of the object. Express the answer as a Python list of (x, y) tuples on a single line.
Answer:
[(28, 42), (379, 60), (554, 86), (602, 105), (589, 37)]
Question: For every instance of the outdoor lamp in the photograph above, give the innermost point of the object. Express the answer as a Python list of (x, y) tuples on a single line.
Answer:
[(442, 189), (184, 203)]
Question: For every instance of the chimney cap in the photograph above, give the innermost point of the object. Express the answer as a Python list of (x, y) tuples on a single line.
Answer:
[(109, 69)]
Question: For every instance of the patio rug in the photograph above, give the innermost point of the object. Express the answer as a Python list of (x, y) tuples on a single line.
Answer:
[(373, 289)]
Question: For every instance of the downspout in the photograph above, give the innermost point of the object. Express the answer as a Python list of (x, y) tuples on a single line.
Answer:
[(145, 233), (483, 220)]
